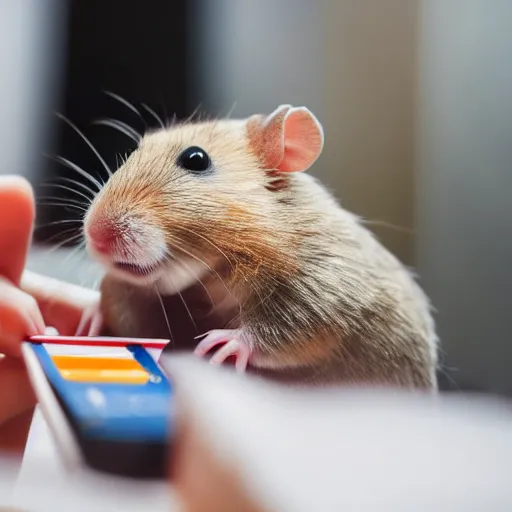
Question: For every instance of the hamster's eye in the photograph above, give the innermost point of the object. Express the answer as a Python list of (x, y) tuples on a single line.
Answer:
[(194, 159)]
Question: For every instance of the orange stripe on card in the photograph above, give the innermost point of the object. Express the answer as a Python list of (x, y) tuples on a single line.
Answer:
[(101, 369)]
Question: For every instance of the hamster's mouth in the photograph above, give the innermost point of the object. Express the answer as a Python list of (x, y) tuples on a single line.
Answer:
[(137, 270)]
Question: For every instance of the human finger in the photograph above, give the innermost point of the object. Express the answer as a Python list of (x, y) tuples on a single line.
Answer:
[(14, 433), (61, 304), (16, 394), (19, 316), (17, 213)]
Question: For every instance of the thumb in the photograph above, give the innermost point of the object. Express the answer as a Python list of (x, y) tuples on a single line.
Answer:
[(17, 212), (62, 304)]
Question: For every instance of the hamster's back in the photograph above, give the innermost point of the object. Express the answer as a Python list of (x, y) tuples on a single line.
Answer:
[(397, 329)]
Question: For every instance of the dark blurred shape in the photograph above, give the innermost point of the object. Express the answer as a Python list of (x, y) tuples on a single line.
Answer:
[(115, 46)]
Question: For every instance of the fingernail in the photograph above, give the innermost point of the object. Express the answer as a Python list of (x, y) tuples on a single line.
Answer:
[(41, 326)]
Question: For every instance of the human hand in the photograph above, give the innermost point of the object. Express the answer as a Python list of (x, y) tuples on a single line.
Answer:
[(28, 302)]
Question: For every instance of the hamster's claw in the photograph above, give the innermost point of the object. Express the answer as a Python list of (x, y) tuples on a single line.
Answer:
[(236, 348), (213, 338), (233, 347)]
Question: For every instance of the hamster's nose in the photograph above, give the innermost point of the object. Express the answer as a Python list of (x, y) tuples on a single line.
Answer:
[(102, 237), (101, 246)]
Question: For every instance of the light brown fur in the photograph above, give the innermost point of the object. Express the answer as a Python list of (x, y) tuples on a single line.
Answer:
[(318, 293)]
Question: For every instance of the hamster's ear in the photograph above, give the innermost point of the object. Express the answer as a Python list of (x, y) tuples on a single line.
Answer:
[(289, 140)]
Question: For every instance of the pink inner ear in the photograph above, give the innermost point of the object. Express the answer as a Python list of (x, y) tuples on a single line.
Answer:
[(288, 140), (303, 141), (273, 137)]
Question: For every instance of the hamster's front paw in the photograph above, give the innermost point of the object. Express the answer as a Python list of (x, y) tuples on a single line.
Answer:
[(91, 322), (234, 345)]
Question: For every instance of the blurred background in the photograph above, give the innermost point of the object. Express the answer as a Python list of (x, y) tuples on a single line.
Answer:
[(414, 97)]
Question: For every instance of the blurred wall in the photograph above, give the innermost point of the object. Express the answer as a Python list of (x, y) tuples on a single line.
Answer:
[(464, 189), (369, 94), (31, 47), (352, 63), (255, 55)]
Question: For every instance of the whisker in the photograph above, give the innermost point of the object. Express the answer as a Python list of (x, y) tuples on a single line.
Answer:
[(231, 110), (388, 225), (85, 279), (446, 373), (154, 114), (59, 245), (210, 242), (64, 205), (187, 268), (213, 271), (55, 248), (163, 106), (69, 189), (62, 200), (62, 243), (74, 251), (124, 101), (76, 168), (60, 233), (165, 314), (58, 222), (188, 311), (120, 127), (78, 184), (95, 284), (194, 114), (87, 141), (80, 256), (250, 310)]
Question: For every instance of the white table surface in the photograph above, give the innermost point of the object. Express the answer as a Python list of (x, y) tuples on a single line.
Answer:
[(43, 482)]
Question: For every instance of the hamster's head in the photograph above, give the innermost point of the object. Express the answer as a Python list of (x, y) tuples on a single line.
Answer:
[(200, 192)]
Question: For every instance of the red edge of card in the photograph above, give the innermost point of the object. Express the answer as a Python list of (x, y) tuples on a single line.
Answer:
[(97, 341)]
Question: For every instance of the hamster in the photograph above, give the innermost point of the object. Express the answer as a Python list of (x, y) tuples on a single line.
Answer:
[(303, 288)]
